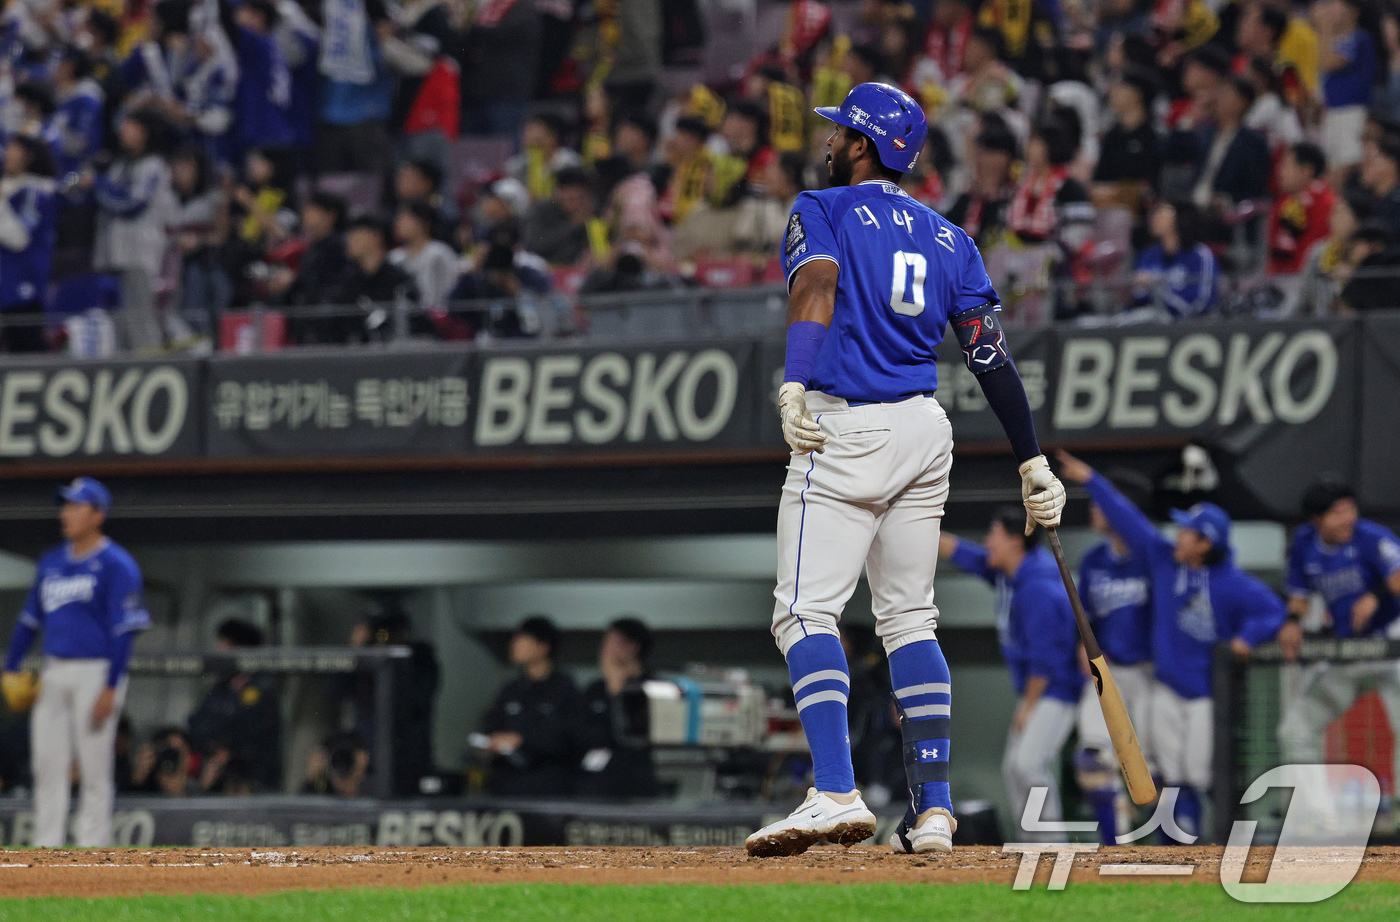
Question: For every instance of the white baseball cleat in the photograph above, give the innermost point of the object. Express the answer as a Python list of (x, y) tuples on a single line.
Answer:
[(819, 819), (932, 833)]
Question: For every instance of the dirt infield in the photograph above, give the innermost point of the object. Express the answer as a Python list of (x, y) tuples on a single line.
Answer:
[(253, 871)]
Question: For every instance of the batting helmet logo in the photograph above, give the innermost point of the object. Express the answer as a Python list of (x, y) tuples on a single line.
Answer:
[(889, 117)]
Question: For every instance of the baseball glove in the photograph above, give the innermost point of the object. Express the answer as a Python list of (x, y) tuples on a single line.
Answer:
[(21, 690)]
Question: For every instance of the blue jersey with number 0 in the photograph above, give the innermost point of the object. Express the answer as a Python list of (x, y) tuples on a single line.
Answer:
[(904, 270)]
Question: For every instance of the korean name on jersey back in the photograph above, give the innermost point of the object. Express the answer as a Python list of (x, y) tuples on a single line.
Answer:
[(903, 271)]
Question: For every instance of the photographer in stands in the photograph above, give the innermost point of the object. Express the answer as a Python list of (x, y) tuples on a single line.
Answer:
[(239, 720), (162, 766), (338, 766), (614, 726)]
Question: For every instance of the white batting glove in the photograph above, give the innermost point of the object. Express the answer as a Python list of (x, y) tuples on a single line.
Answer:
[(800, 431), (1042, 493)]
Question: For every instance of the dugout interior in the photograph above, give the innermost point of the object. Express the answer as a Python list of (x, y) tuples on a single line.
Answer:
[(688, 548)]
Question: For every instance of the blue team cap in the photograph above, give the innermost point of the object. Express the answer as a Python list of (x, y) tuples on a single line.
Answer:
[(1208, 520), (86, 490), (886, 115)]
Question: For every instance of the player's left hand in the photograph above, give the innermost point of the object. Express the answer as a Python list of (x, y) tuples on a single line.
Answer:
[(103, 707), (1022, 714), (1362, 612), (1042, 493), (800, 430), (1241, 648)]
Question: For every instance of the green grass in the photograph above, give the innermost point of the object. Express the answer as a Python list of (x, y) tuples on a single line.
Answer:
[(783, 903)]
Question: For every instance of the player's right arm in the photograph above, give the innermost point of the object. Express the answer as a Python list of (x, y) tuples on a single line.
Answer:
[(985, 350), (1380, 550), (26, 628), (969, 557), (1130, 522), (811, 259)]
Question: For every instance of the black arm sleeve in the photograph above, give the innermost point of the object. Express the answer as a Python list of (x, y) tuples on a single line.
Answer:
[(1007, 397)]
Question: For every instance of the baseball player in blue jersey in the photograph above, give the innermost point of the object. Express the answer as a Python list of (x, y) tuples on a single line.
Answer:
[(1040, 642), (1354, 564), (1114, 586), (87, 600), (1199, 597), (874, 278)]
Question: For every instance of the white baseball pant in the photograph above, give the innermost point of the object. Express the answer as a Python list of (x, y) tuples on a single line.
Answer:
[(1183, 737), (1323, 693), (873, 499), (1135, 684), (1029, 761), (60, 728)]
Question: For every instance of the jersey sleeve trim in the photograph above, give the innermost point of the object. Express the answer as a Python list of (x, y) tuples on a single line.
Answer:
[(29, 619), (994, 305), (134, 621), (805, 261)]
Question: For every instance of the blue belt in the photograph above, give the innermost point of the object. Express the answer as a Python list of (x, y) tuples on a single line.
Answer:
[(866, 403)]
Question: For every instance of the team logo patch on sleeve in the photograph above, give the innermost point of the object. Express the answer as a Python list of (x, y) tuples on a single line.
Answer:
[(795, 241)]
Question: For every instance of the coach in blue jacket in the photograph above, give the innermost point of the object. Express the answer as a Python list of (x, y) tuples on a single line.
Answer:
[(1199, 598), (1039, 641)]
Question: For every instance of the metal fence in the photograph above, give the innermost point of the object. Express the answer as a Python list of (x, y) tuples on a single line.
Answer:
[(1030, 299)]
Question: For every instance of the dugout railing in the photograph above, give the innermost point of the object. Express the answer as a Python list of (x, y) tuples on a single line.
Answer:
[(1250, 697), (376, 661)]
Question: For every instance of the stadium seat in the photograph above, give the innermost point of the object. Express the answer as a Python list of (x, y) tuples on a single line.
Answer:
[(725, 273), (568, 279), (363, 192), (773, 272), (476, 160), (238, 331)]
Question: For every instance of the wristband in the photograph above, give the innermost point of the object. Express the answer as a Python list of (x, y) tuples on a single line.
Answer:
[(804, 342)]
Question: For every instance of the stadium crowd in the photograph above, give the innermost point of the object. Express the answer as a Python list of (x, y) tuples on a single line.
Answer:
[(170, 163)]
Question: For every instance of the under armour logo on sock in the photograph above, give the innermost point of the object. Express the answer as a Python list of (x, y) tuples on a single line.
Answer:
[(928, 753)]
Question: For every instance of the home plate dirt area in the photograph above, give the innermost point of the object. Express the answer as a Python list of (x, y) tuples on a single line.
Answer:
[(126, 872)]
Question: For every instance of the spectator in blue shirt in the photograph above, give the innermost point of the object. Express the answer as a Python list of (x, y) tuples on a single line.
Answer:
[(1039, 640), (75, 132), (357, 89), (264, 94), (1177, 273), (208, 89), (300, 40), (1349, 65), (28, 215)]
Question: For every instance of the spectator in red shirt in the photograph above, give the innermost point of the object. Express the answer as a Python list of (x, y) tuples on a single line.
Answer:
[(947, 35), (1302, 215)]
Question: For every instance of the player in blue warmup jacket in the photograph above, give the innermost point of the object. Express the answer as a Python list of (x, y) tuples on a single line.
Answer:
[(1115, 587), (1039, 640), (1354, 565), (1199, 598), (88, 602), (875, 279)]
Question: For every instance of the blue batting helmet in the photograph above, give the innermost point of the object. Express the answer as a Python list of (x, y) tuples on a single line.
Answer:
[(889, 117)]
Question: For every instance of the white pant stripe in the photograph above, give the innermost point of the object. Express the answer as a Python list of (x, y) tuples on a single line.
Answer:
[(819, 697), (821, 676), (927, 710), (930, 688)]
